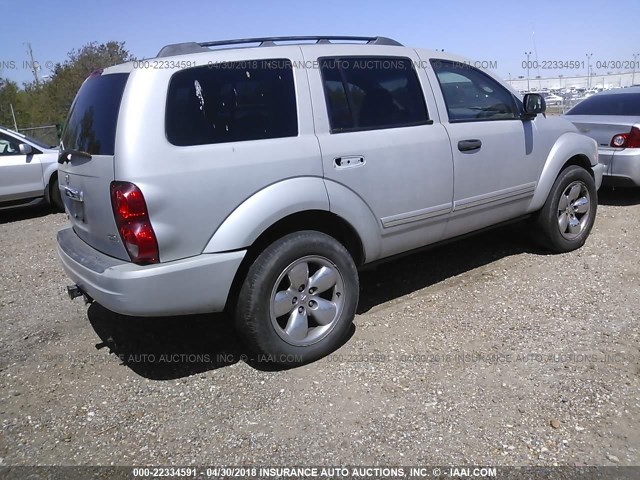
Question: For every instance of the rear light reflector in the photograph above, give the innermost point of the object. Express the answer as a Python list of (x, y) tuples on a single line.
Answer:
[(627, 140), (134, 225)]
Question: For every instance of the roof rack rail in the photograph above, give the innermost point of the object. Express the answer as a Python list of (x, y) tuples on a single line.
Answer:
[(195, 47)]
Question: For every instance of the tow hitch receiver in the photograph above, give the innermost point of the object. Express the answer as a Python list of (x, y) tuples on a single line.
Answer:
[(75, 291)]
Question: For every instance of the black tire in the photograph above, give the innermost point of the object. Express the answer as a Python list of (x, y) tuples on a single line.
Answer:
[(256, 320), (548, 219), (54, 196)]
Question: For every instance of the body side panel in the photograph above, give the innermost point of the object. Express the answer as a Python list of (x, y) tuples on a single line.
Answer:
[(263, 209), (404, 181), (190, 190)]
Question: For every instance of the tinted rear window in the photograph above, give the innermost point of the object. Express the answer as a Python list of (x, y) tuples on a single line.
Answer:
[(231, 102), (614, 104), (92, 120)]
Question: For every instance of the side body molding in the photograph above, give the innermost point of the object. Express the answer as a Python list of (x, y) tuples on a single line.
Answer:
[(567, 146), (264, 208)]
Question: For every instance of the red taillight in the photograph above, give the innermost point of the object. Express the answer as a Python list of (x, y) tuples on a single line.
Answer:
[(132, 220), (627, 140)]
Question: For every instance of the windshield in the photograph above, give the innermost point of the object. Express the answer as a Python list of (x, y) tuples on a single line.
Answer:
[(91, 125), (625, 104)]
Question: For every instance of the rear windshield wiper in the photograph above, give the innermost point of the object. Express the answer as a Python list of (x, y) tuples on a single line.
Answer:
[(67, 153)]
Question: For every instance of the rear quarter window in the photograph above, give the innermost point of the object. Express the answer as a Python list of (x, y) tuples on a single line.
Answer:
[(232, 102), (93, 117)]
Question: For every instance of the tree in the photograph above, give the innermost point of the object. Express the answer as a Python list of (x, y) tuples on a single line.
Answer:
[(68, 76), (48, 103), (9, 95)]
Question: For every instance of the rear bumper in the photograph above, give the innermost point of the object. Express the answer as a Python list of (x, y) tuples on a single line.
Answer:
[(197, 284), (621, 167)]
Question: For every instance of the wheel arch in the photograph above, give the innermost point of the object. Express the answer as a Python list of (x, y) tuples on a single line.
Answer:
[(292, 205), (579, 160), (570, 149), (316, 220), (300, 204)]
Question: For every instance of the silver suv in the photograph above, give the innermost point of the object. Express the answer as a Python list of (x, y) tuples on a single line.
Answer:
[(258, 180)]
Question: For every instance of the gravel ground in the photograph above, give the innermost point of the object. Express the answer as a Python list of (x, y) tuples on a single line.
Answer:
[(484, 351)]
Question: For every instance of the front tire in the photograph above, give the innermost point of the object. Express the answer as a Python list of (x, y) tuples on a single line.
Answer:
[(568, 214), (298, 300)]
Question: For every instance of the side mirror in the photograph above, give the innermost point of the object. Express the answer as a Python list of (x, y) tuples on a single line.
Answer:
[(25, 149), (533, 105)]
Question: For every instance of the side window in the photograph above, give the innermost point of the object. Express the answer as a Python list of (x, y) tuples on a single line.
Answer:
[(472, 95), (232, 102), (8, 146), (366, 93)]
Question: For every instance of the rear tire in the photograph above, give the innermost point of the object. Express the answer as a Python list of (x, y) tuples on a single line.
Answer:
[(567, 216), (298, 300), (54, 196)]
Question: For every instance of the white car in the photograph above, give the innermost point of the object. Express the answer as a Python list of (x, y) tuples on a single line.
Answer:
[(552, 99), (28, 171)]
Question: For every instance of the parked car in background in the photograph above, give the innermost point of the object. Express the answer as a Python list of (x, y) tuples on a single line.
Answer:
[(612, 118), (234, 181), (28, 171), (552, 99)]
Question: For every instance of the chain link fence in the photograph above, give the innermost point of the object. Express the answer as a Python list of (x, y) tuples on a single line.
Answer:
[(48, 134)]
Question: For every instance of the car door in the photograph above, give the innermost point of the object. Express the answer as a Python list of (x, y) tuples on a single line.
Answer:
[(381, 140), (20, 175), (496, 167)]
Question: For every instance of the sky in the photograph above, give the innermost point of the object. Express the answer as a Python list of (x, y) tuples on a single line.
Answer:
[(484, 30)]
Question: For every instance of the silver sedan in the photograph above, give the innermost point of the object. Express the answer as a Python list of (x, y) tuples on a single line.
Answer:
[(612, 118)]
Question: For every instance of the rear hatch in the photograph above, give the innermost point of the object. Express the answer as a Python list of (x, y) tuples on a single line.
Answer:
[(86, 167)]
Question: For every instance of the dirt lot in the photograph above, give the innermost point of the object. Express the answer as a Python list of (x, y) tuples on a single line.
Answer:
[(485, 351)]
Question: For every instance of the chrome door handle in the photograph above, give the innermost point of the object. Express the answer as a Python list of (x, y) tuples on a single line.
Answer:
[(469, 145), (348, 161)]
